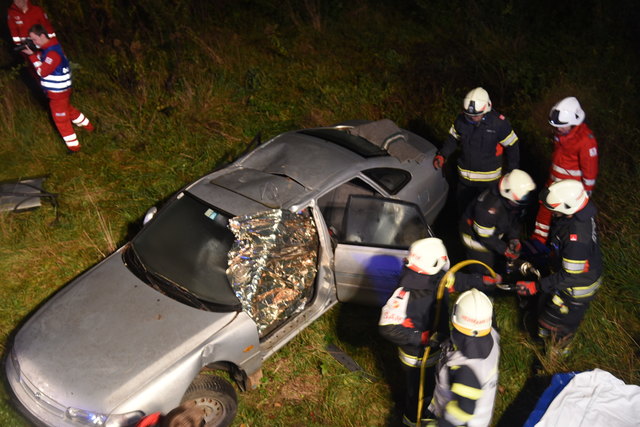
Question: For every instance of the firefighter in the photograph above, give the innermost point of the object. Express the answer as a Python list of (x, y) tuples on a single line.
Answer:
[(484, 135), (490, 226), (575, 262), (467, 372), (21, 16), (408, 316), (575, 156), (55, 78)]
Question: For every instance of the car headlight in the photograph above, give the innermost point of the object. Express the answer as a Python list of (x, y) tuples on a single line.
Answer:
[(90, 418)]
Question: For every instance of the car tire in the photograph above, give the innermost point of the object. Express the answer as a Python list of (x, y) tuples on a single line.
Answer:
[(216, 396)]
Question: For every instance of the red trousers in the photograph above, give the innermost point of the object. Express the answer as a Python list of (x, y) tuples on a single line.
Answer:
[(65, 116)]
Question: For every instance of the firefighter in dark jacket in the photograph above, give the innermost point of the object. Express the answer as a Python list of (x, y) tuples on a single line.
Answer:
[(484, 135), (491, 226), (408, 316), (467, 377), (575, 262)]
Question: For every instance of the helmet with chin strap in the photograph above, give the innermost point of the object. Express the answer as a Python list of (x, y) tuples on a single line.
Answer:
[(428, 256), (567, 112), (566, 197), (477, 102)]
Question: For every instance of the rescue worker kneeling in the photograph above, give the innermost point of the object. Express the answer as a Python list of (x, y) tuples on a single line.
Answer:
[(467, 373), (575, 262), (490, 227), (408, 317)]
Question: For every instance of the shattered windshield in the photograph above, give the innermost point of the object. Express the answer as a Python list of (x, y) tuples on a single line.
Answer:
[(183, 253)]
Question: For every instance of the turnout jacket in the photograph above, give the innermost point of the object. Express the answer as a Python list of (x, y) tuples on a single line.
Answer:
[(488, 220), (575, 157), (482, 147), (411, 310), (466, 380), (20, 22), (53, 67), (576, 257)]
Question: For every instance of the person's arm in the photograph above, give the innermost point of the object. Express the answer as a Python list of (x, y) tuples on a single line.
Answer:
[(13, 29), (394, 324), (588, 158), (509, 141), (465, 391), (575, 260), (484, 228), (46, 65)]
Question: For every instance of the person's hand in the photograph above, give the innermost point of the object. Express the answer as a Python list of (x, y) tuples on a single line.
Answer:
[(438, 161), (526, 288), (490, 281), (513, 249), (27, 50)]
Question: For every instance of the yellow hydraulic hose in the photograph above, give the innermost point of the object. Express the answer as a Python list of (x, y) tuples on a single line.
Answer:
[(447, 281)]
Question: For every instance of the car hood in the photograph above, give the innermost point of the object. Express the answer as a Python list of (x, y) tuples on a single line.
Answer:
[(107, 334)]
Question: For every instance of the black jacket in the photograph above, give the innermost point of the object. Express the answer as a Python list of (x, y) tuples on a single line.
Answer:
[(575, 253), (482, 146)]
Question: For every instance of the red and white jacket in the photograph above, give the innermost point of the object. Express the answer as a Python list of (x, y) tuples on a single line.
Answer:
[(575, 157), (20, 22)]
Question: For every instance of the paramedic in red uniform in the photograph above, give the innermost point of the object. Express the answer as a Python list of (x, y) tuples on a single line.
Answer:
[(21, 16), (575, 155), (55, 77)]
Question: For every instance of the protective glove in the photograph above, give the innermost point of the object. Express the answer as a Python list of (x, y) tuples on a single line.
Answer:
[(513, 249), (490, 281), (526, 288), (430, 340), (438, 161)]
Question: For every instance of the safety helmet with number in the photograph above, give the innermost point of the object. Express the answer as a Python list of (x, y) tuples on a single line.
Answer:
[(567, 112), (516, 186), (428, 256), (566, 197), (472, 313), (477, 102)]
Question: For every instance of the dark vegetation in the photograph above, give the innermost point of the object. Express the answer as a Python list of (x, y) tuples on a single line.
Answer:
[(178, 87)]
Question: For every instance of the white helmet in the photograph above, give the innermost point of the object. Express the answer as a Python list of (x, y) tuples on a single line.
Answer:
[(472, 313), (566, 113), (428, 256), (566, 197), (477, 102), (516, 186)]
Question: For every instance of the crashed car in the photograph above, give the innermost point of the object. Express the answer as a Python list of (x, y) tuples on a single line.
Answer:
[(225, 273)]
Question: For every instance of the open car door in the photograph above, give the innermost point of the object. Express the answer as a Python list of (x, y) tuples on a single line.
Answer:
[(377, 235)]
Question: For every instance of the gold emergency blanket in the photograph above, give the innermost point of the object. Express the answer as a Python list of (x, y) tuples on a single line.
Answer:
[(273, 264)]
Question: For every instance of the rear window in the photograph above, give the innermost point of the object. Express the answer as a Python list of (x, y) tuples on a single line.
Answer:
[(352, 143)]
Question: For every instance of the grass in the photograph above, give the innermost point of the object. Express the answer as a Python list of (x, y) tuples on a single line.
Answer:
[(178, 90)]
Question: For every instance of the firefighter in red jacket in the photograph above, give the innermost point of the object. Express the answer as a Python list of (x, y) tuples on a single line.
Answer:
[(409, 315), (575, 156), (55, 78), (21, 16), (484, 135), (576, 262)]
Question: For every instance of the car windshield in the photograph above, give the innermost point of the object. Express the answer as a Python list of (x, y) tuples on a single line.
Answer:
[(183, 252)]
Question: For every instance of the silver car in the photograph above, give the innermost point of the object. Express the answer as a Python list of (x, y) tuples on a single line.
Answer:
[(227, 272)]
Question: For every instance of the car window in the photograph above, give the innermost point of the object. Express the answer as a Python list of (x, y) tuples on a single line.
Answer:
[(392, 180), (373, 221), (333, 204), (186, 245)]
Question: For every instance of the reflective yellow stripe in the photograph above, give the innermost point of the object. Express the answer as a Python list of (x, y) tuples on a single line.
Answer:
[(480, 176), (509, 140), (454, 410), (466, 391), (573, 266), (585, 291), (472, 244), (454, 133), (483, 231), (415, 361)]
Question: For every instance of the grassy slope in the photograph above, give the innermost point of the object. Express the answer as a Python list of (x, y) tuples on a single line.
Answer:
[(177, 90)]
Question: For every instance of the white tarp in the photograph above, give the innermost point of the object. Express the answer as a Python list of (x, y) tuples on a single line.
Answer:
[(594, 398)]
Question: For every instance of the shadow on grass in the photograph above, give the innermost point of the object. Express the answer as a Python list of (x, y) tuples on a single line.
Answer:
[(519, 410)]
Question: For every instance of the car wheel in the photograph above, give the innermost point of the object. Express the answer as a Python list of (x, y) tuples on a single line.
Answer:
[(216, 396)]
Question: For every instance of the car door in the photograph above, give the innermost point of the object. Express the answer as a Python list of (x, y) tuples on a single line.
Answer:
[(369, 254)]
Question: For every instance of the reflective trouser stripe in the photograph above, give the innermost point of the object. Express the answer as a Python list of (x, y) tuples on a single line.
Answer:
[(473, 244), (480, 176)]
